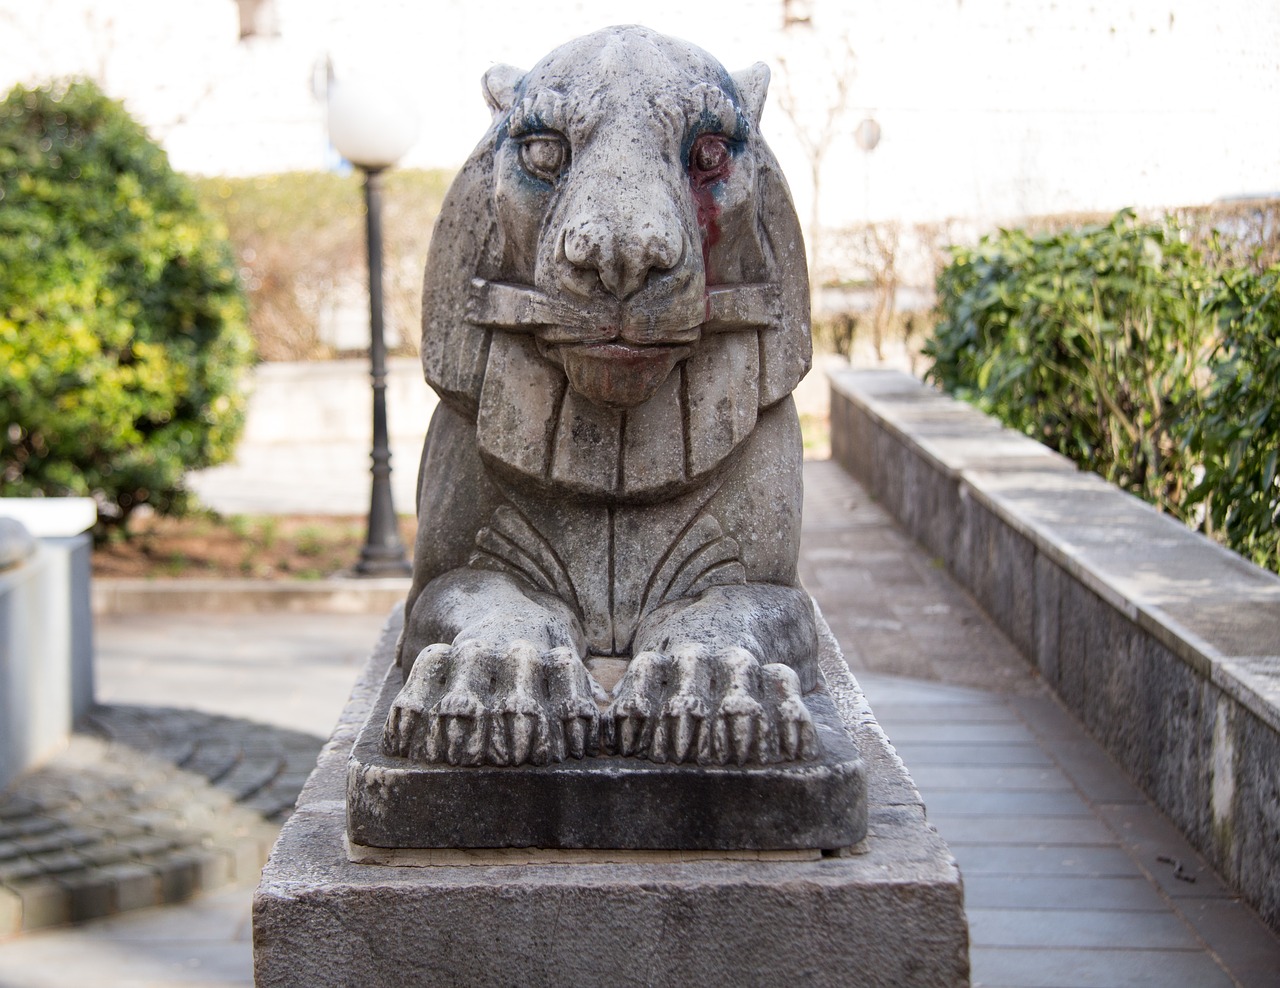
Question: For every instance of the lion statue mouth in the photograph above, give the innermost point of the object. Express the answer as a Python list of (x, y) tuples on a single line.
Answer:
[(618, 375), (615, 358), (615, 305)]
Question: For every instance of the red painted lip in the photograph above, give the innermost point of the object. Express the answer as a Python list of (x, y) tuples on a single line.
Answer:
[(619, 375)]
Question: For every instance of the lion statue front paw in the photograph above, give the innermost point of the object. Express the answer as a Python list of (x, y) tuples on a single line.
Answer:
[(474, 703), (709, 707)]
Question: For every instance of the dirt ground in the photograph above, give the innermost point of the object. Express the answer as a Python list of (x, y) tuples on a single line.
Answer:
[(293, 547)]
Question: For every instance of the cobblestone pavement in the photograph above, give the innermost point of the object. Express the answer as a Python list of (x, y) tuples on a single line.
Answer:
[(154, 800), (146, 806)]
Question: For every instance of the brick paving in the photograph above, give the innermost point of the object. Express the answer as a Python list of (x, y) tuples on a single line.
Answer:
[(146, 806), (1072, 878)]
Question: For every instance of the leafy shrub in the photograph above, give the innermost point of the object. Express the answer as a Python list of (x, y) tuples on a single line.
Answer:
[(1088, 340), (1119, 346), (122, 336), (1238, 436), (299, 238)]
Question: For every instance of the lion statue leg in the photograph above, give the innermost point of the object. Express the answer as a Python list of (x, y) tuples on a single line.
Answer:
[(699, 691), (504, 685), (718, 671), (492, 666)]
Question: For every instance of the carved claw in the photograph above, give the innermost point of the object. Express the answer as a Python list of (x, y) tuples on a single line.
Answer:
[(577, 712), (632, 719), (628, 723), (681, 730), (464, 719), (710, 707), (475, 704), (405, 721), (797, 737)]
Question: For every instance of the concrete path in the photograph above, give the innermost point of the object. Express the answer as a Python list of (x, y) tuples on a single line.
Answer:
[(1072, 879)]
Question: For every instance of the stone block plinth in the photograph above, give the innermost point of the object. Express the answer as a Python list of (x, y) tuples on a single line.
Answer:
[(888, 911), (607, 801)]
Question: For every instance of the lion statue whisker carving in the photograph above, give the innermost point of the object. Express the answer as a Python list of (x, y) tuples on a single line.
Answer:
[(615, 314)]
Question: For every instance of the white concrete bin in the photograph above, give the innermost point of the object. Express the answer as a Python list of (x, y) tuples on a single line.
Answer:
[(46, 630)]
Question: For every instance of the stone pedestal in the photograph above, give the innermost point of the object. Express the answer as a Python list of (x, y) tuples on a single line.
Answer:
[(888, 911), (606, 801)]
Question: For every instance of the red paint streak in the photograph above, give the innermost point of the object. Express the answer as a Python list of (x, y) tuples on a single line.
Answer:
[(710, 163)]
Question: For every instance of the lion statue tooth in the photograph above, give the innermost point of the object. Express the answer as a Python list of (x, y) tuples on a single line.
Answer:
[(615, 314)]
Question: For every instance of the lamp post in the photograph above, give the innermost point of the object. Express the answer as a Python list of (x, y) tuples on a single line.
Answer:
[(373, 132)]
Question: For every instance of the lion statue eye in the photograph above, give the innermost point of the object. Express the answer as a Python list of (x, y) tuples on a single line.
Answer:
[(709, 158), (544, 156)]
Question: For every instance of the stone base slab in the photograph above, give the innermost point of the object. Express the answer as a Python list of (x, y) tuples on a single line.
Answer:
[(892, 913), (607, 802)]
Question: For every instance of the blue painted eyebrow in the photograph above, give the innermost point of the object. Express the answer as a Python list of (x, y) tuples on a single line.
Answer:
[(714, 109), (544, 110)]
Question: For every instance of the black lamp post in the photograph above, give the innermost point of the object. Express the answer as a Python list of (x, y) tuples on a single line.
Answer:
[(372, 136), (383, 553)]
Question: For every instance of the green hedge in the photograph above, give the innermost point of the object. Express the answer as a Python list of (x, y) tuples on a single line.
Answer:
[(1120, 347), (1237, 434), (122, 332)]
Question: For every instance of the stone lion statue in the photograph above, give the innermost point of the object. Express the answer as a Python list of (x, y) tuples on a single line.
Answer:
[(615, 315)]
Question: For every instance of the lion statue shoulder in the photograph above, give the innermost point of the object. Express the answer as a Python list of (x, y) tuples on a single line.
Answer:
[(615, 314)]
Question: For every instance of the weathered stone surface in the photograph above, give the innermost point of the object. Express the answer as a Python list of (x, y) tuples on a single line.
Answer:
[(890, 914), (615, 314), (606, 801)]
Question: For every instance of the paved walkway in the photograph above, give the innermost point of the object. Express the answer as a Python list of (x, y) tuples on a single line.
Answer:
[(1072, 879)]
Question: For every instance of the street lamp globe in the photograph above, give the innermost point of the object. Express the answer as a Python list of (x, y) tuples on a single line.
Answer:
[(867, 134), (370, 125)]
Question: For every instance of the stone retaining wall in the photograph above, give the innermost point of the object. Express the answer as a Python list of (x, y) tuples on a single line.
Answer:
[(1164, 644), (335, 595)]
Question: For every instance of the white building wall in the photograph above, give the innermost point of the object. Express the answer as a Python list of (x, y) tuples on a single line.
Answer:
[(988, 108)]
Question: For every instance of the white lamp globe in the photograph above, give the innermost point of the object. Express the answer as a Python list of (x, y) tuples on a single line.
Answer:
[(372, 126)]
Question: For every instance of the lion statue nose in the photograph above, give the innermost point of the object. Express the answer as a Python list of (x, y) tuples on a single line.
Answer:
[(622, 256)]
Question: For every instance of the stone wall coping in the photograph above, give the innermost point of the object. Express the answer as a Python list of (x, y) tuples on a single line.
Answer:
[(51, 517), (17, 544), (1211, 607), (335, 595)]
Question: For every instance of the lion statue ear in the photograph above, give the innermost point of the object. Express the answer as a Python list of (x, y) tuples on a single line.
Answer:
[(499, 86), (752, 85)]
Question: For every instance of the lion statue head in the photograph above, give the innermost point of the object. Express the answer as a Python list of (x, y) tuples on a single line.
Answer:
[(617, 284)]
